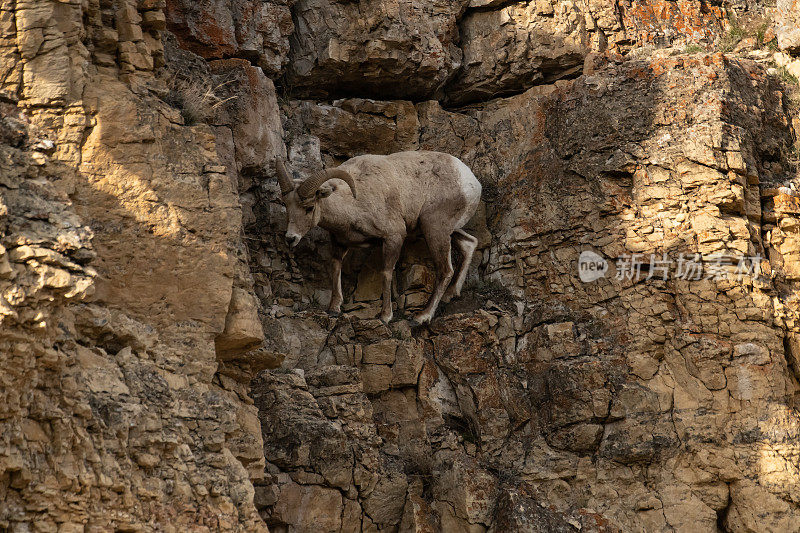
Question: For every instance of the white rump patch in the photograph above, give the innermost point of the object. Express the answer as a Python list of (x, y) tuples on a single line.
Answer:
[(470, 188)]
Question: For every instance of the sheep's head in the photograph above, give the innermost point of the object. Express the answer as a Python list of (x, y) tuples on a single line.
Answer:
[(302, 199)]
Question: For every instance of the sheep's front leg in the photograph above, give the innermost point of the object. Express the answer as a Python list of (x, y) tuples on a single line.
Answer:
[(391, 253), (338, 254)]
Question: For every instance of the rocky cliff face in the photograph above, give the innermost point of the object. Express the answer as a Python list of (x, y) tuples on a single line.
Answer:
[(126, 298), (146, 286)]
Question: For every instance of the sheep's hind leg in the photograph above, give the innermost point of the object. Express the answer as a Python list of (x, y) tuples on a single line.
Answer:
[(338, 253), (466, 244), (439, 245), (391, 253)]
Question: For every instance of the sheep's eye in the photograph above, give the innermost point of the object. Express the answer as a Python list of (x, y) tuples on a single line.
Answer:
[(309, 209)]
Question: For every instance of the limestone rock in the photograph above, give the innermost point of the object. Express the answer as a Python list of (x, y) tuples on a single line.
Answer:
[(401, 49), (787, 18), (517, 512), (144, 280), (249, 108), (243, 329), (120, 251), (342, 125), (318, 427), (513, 48), (253, 29), (611, 398), (309, 508), (663, 22)]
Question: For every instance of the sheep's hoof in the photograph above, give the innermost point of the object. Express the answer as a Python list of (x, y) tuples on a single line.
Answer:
[(418, 321), (386, 320), (334, 313)]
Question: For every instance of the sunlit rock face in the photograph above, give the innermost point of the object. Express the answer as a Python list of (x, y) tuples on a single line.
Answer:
[(669, 21), (787, 16), (632, 404), (122, 265), (166, 362)]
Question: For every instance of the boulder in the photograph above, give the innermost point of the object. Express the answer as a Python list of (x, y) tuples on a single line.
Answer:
[(253, 29), (787, 25), (398, 49), (511, 49)]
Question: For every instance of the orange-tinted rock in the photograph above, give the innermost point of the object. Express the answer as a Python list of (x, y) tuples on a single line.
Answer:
[(256, 30), (581, 388), (666, 22)]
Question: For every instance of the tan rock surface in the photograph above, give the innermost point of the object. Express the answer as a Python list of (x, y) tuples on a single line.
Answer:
[(400, 48), (521, 45), (144, 279), (121, 242), (255, 30), (787, 17), (615, 405)]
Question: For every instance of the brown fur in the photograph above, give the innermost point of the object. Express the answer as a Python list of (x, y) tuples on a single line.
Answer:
[(397, 194)]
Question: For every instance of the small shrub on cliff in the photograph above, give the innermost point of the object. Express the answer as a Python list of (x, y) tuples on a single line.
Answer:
[(763, 36), (197, 101), (693, 49), (490, 289), (757, 28), (788, 77), (794, 101), (284, 93), (794, 155), (735, 34), (416, 462)]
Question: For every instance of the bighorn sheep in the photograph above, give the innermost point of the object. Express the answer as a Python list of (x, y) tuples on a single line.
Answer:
[(377, 198)]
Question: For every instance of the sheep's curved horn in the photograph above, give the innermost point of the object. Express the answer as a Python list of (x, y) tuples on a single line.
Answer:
[(284, 180), (309, 187)]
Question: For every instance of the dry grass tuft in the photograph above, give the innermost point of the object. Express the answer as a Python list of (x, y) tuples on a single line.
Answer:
[(197, 101)]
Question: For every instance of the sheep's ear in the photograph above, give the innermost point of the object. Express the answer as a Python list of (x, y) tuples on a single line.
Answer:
[(324, 191)]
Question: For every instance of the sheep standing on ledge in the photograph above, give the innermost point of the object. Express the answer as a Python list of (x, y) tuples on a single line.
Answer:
[(382, 198)]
